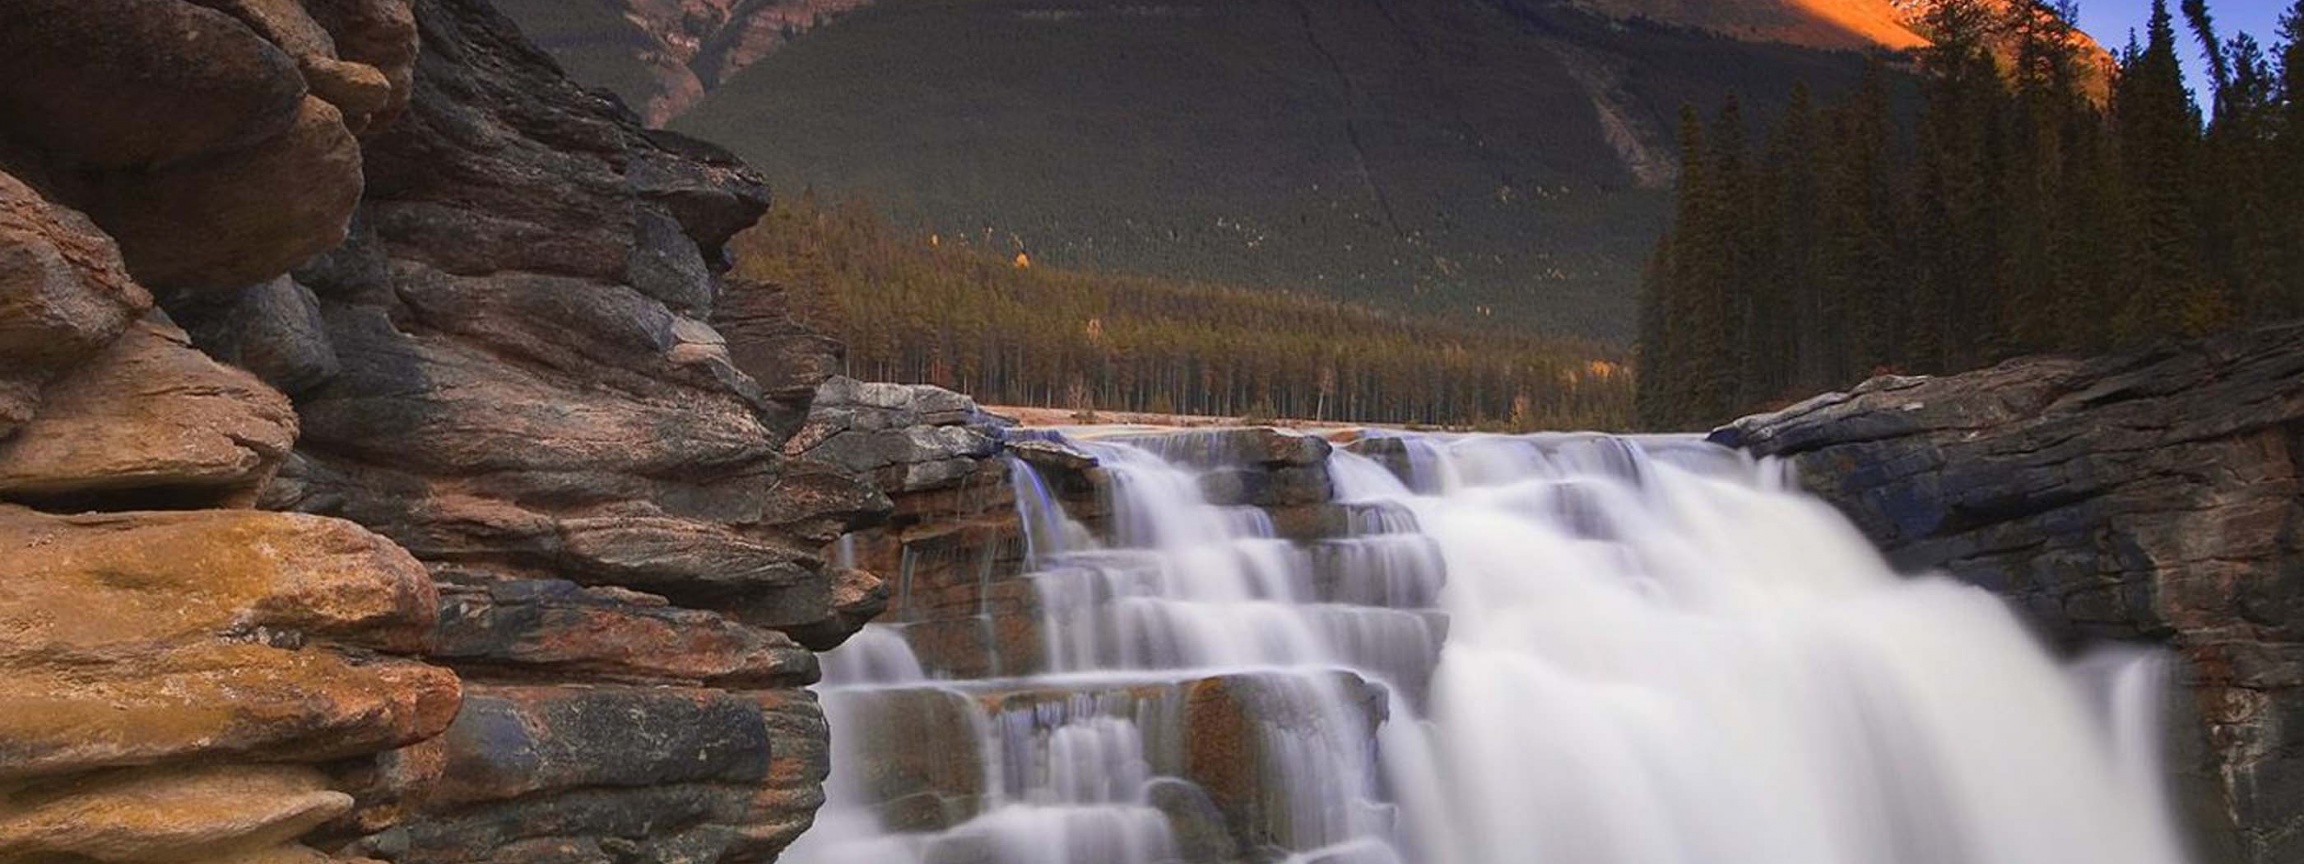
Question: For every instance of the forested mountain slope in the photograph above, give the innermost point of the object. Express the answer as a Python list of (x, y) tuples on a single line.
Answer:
[(1482, 158)]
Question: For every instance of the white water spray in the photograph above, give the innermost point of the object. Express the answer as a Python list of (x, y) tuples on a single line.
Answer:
[(1585, 649)]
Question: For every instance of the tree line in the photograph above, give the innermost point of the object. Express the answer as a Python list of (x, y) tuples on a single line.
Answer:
[(927, 309), (2045, 199)]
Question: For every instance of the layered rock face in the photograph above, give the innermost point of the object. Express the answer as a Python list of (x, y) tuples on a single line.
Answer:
[(2155, 497), (183, 674), (953, 556), (970, 603), (426, 516), (940, 460)]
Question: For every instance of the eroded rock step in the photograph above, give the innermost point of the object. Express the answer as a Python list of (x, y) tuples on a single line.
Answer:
[(1218, 758)]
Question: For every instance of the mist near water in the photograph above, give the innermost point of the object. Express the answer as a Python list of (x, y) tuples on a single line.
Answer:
[(1585, 650)]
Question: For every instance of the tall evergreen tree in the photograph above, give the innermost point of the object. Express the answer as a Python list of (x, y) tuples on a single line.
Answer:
[(2237, 213), (1961, 161), (1860, 264), (2203, 26), (2158, 128), (1652, 395), (1734, 379), (1792, 327), (2053, 236), (1699, 270), (2287, 162)]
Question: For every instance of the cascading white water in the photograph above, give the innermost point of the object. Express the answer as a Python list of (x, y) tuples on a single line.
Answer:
[(1591, 650)]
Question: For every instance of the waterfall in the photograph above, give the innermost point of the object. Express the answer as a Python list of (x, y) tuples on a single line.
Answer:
[(1550, 649)]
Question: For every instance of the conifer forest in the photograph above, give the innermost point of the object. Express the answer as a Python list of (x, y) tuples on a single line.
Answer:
[(2042, 200)]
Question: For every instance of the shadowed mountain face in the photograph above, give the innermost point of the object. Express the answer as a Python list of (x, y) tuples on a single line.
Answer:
[(1493, 158)]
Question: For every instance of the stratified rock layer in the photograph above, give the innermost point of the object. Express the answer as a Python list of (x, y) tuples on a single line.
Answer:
[(2155, 497), (178, 679), (528, 394), (595, 651), (515, 394), (151, 422), (64, 295), (153, 658)]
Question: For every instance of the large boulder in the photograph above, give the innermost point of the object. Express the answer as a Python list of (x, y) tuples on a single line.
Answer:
[(137, 84), (544, 773), (2152, 497), (217, 225), (907, 437), (208, 811), (177, 125)]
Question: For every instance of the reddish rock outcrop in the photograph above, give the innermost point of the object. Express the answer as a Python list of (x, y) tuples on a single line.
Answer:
[(576, 631), (2154, 497), (64, 295), (176, 125), (174, 680), (149, 423), (154, 658)]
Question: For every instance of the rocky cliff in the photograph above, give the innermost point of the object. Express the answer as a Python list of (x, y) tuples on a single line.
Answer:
[(375, 476), (2155, 497)]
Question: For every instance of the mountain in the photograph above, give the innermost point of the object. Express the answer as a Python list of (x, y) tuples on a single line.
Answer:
[(1852, 24), (1503, 159), (662, 56)]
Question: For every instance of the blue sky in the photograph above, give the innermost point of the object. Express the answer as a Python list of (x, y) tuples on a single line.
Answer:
[(2110, 20)]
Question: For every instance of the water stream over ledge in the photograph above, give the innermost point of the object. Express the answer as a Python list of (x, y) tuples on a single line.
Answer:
[(1541, 649)]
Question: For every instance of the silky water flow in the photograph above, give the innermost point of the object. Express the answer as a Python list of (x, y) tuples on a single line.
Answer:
[(1529, 650)]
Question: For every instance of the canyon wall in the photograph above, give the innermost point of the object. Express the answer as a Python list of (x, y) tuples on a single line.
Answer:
[(2155, 497), (375, 478)]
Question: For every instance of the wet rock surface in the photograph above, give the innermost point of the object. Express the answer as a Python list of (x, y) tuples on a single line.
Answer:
[(2154, 497)]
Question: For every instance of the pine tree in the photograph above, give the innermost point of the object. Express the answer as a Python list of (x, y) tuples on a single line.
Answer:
[(1960, 168), (2203, 27), (2286, 155), (1792, 169), (1696, 262), (2158, 128), (1730, 377), (1859, 265), (2242, 244), (1652, 395), (2054, 231)]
